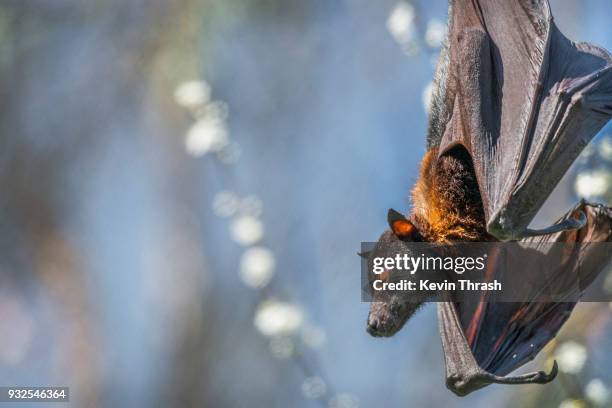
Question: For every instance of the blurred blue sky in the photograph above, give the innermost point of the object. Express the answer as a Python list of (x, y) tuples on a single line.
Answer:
[(329, 115)]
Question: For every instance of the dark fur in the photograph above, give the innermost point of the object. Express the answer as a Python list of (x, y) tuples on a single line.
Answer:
[(447, 202)]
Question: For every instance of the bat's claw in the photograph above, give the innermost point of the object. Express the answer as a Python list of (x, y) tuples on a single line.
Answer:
[(537, 377), (569, 224), (465, 384)]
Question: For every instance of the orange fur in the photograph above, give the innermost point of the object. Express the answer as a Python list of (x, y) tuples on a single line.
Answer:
[(440, 214)]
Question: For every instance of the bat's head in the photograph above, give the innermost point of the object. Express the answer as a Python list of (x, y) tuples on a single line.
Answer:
[(390, 311)]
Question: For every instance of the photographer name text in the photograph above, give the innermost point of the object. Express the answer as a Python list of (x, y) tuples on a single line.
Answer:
[(427, 285)]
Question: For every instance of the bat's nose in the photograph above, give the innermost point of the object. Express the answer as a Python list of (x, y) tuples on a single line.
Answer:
[(373, 327)]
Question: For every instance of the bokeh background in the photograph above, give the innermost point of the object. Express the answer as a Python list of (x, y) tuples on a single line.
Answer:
[(184, 185)]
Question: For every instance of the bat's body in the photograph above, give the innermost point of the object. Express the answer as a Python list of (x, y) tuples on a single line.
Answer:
[(447, 206), (514, 103)]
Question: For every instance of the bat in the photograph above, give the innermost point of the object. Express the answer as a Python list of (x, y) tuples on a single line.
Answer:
[(513, 105)]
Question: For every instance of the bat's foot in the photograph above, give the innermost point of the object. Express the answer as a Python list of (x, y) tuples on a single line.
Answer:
[(568, 224), (538, 377), (465, 383)]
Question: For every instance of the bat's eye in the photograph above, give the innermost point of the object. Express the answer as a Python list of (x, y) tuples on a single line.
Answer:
[(401, 226)]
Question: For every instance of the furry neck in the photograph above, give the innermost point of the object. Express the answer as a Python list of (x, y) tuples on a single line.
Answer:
[(447, 202)]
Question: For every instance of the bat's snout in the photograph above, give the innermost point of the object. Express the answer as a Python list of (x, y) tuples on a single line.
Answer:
[(380, 321), (373, 327), (385, 319)]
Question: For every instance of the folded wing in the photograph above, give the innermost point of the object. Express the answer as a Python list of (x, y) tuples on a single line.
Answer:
[(522, 99)]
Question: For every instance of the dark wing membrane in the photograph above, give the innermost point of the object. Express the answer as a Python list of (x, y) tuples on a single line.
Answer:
[(503, 336), (522, 99), (485, 340), (514, 332)]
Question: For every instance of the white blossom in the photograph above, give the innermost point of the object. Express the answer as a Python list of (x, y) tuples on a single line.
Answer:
[(605, 147), (401, 22), (192, 94), (592, 184), (257, 267), (435, 33), (571, 357), (274, 318), (597, 392), (205, 135), (246, 230)]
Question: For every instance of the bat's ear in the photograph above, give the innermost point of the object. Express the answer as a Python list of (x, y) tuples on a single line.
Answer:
[(401, 226)]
